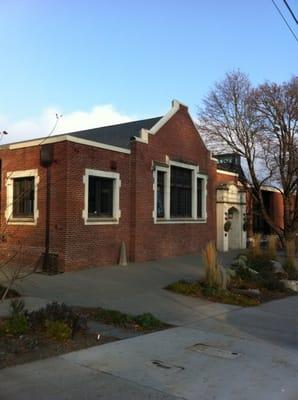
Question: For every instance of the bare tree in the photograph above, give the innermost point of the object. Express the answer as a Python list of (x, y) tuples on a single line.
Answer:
[(260, 124)]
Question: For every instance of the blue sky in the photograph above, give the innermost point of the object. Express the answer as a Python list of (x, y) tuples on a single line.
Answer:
[(132, 57)]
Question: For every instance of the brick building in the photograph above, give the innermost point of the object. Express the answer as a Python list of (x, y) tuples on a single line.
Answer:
[(77, 197)]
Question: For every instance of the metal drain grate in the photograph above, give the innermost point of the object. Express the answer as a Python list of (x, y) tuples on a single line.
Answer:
[(214, 351)]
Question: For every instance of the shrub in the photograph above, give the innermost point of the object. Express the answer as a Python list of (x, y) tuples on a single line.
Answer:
[(114, 317), (17, 325), (227, 226), (148, 321), (215, 275), (17, 306), (245, 274), (261, 263), (272, 246), (57, 312), (290, 269), (273, 284), (185, 287), (58, 330)]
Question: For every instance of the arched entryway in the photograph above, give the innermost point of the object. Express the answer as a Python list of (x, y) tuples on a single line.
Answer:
[(235, 229), (230, 210)]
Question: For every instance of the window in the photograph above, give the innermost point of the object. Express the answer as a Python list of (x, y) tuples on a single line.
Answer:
[(102, 191), (23, 197), (100, 197), (160, 194), (21, 201), (199, 197), (181, 192)]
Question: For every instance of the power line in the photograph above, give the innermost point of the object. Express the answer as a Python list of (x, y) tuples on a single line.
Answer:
[(291, 11), (286, 22)]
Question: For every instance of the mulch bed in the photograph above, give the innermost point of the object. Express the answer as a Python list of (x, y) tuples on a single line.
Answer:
[(37, 346)]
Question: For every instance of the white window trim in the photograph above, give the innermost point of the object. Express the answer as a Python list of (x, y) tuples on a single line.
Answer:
[(10, 176), (167, 189), (116, 198)]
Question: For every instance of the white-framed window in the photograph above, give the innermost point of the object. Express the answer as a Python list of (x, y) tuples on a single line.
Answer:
[(21, 202), (179, 194), (101, 200)]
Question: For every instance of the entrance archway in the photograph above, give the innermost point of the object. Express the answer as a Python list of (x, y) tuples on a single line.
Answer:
[(235, 230)]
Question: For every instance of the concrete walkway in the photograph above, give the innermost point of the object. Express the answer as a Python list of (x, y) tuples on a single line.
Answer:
[(135, 289), (218, 352)]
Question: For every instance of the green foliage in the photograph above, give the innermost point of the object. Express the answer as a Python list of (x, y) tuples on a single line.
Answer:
[(16, 326), (148, 321), (290, 269), (261, 263), (17, 306), (227, 297), (214, 294), (57, 312), (114, 317), (145, 321), (272, 283), (185, 287), (245, 273), (58, 330), (227, 226)]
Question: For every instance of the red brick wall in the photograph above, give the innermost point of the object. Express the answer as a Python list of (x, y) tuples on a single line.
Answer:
[(28, 240), (93, 245), (80, 245), (178, 139)]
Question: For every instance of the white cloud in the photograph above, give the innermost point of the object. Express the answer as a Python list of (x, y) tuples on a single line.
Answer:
[(40, 126)]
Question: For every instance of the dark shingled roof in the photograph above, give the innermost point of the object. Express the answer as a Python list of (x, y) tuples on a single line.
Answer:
[(116, 135)]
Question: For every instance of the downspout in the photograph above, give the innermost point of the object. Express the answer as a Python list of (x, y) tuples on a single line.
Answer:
[(46, 160)]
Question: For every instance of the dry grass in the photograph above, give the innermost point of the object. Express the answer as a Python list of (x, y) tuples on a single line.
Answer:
[(215, 275), (255, 248), (290, 254), (272, 246)]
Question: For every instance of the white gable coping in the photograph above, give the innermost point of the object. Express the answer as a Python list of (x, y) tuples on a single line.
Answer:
[(68, 138)]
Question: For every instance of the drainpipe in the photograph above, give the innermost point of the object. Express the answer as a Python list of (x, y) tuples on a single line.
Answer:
[(46, 160)]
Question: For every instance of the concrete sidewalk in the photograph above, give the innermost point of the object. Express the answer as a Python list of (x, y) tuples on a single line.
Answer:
[(239, 355), (218, 352), (135, 289)]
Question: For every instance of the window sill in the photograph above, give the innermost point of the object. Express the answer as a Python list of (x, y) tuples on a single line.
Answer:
[(180, 221), (101, 221), (21, 221)]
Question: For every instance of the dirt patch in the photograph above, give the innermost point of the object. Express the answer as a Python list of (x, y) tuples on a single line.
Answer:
[(37, 346)]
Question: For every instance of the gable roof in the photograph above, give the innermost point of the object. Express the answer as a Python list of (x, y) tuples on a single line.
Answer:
[(113, 136), (116, 135)]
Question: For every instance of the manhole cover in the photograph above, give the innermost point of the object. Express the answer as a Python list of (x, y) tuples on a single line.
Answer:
[(214, 351)]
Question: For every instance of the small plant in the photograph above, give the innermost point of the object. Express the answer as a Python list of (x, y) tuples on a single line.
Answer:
[(148, 321), (16, 326), (57, 312), (215, 275), (58, 330), (227, 226), (114, 317), (17, 306), (272, 246), (290, 269), (185, 287)]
